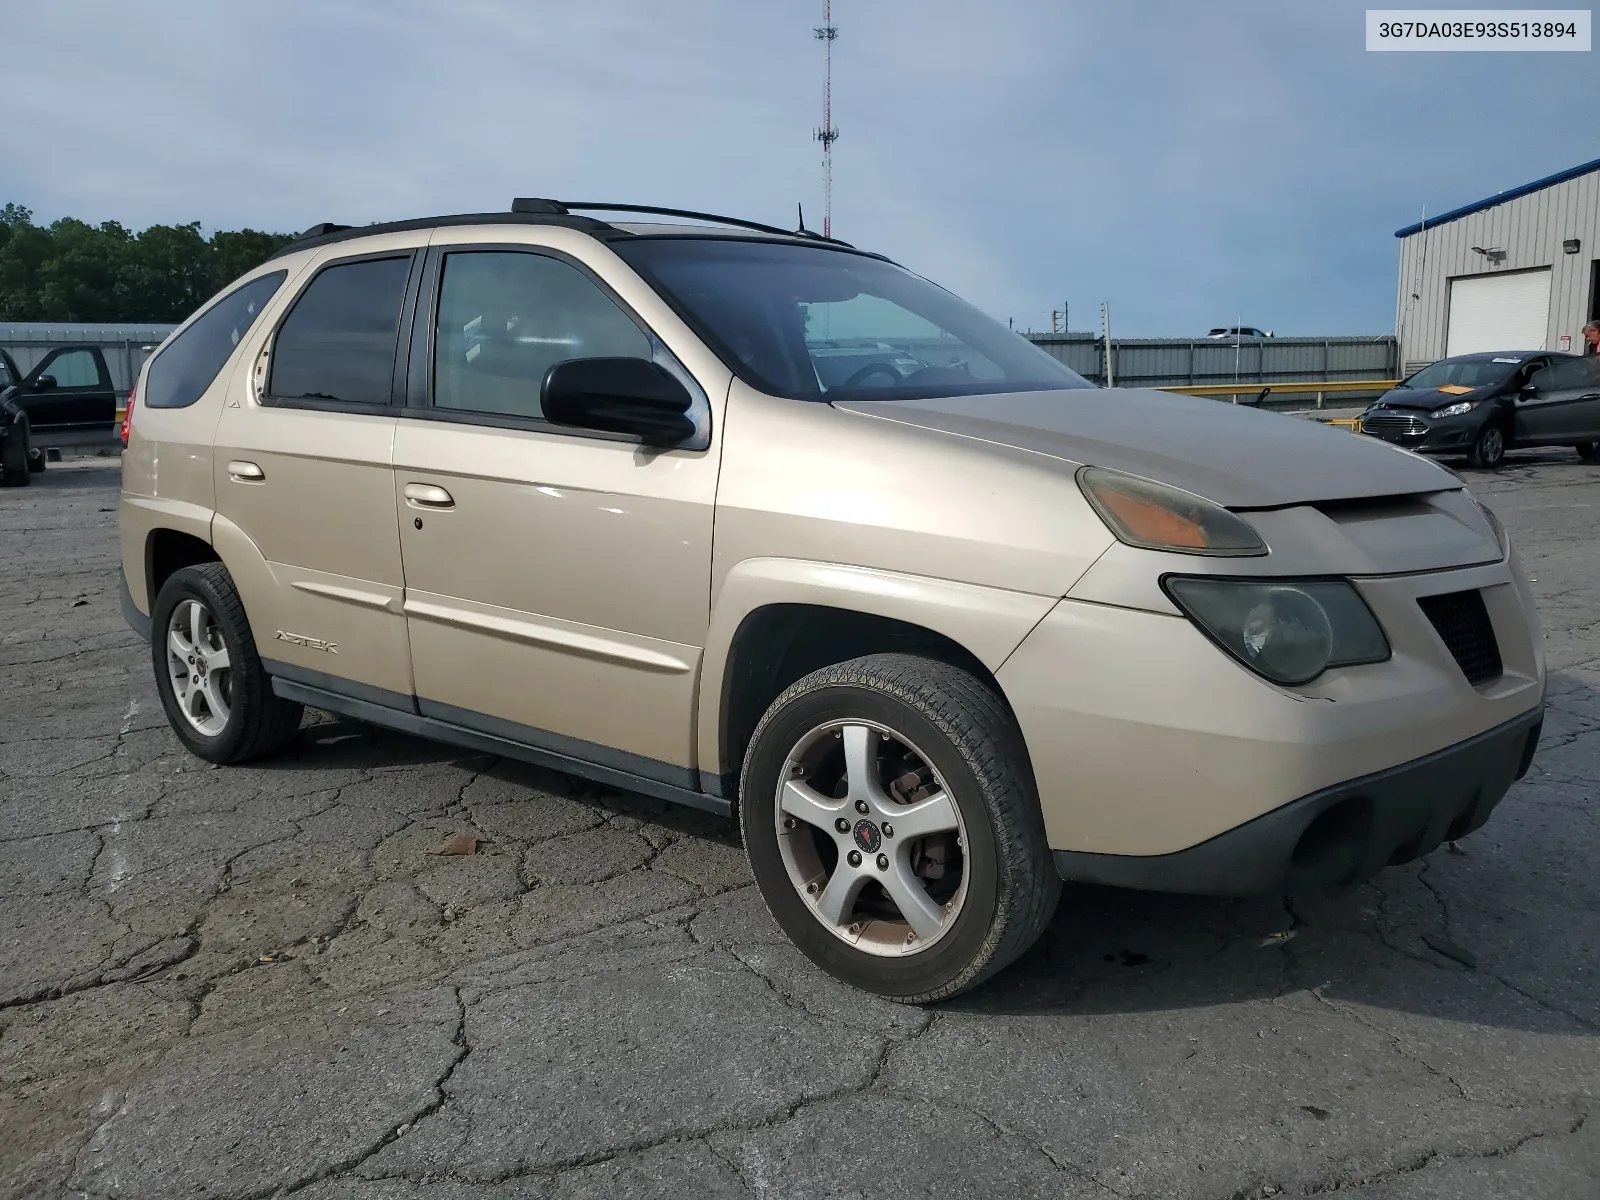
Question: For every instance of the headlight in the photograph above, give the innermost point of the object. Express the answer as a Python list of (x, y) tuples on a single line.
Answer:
[(1155, 516), (1501, 537), (1286, 630), (1455, 410)]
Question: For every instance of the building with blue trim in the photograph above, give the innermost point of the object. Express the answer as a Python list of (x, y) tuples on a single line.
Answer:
[(1519, 270)]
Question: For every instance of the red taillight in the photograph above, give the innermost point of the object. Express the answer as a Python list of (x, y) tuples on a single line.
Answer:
[(127, 413)]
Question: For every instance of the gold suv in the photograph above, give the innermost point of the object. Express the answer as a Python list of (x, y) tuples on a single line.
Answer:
[(763, 524)]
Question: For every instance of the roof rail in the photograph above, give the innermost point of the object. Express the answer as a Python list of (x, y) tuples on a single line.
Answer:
[(736, 222), (537, 211)]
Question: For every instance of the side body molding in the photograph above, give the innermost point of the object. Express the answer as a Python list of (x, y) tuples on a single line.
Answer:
[(989, 622)]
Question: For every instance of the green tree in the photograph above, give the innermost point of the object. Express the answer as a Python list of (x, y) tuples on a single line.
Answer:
[(73, 271)]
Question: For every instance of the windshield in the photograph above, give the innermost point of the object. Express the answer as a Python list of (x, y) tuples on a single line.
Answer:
[(1467, 373), (811, 323)]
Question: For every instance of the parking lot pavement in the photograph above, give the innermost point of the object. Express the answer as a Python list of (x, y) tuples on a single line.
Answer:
[(257, 981)]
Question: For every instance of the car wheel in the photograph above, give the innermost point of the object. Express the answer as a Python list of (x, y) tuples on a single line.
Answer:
[(217, 695), (14, 461), (890, 817), (1489, 448), (1585, 451)]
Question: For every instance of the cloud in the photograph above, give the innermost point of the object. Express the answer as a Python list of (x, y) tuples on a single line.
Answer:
[(1192, 164)]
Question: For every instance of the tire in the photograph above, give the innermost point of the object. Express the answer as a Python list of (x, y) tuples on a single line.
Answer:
[(228, 713), (14, 460), (988, 886), (1488, 448), (1585, 451)]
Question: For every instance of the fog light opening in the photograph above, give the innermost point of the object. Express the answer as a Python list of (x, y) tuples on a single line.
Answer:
[(1329, 853)]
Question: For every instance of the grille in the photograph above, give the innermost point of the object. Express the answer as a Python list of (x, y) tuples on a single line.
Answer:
[(1385, 423), (1463, 623)]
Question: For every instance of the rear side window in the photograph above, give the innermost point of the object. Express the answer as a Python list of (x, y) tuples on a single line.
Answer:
[(338, 342), (181, 373)]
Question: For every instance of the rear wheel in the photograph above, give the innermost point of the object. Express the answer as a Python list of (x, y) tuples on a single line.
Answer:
[(1488, 448), (1585, 451), (218, 698), (14, 459), (890, 817)]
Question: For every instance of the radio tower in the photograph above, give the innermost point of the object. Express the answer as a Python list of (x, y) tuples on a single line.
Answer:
[(827, 135)]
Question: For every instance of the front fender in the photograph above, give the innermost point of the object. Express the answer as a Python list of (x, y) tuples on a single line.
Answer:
[(988, 622)]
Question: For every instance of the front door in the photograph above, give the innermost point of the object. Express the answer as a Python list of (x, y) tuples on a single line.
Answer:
[(303, 472), (1561, 403), (557, 581), (70, 390)]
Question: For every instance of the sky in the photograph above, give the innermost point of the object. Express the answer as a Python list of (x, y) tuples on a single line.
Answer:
[(1188, 164)]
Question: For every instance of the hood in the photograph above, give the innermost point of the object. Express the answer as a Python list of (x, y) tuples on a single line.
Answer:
[(1237, 456), (1431, 399)]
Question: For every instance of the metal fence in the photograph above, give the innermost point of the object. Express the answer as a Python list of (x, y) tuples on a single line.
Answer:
[(1138, 362), (1188, 362), (124, 346)]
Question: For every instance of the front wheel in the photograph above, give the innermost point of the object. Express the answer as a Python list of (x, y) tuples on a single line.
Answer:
[(1489, 448), (1585, 451), (218, 697), (14, 459), (890, 817)]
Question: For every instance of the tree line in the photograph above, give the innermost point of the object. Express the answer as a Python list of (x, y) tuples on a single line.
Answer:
[(70, 270)]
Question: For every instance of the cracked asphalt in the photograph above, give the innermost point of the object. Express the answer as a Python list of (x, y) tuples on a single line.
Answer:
[(253, 982)]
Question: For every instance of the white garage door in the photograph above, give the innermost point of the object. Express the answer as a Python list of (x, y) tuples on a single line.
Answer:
[(1499, 312)]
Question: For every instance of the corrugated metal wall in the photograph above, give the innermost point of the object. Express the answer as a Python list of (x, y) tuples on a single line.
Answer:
[(125, 346), (1174, 362), (1531, 230)]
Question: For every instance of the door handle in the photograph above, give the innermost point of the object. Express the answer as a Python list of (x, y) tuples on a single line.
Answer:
[(245, 472), (427, 495), (1590, 396)]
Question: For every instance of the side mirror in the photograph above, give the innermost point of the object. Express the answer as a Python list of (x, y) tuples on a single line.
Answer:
[(618, 395), (44, 383), (1527, 391)]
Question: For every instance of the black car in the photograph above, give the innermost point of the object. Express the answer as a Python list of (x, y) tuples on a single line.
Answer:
[(69, 392), (67, 395), (1482, 405)]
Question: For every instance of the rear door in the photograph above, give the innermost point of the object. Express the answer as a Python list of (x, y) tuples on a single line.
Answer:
[(303, 471), (70, 391)]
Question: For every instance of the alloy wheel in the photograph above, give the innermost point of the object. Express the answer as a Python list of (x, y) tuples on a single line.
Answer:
[(199, 667), (871, 837)]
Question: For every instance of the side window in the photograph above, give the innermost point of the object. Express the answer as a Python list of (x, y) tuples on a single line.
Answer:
[(1568, 373), (505, 318), (73, 369), (184, 369), (338, 341)]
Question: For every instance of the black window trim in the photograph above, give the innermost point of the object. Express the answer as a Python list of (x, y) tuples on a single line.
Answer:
[(419, 400), (397, 367)]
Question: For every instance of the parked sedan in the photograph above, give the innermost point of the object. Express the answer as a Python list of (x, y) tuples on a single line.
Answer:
[(1481, 405)]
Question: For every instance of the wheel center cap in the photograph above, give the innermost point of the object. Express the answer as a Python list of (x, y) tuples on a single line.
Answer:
[(867, 836)]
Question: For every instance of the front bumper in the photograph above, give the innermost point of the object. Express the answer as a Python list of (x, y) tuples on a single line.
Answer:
[(1146, 740), (1342, 835), (1423, 432)]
